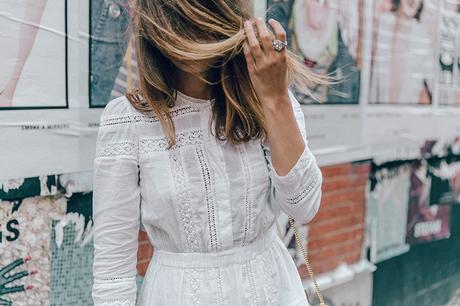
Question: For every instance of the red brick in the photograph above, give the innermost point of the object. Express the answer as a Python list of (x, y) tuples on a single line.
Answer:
[(334, 184), (336, 237), (335, 225), (142, 267), (336, 251), (361, 168), (341, 209), (336, 170), (142, 235), (357, 241), (144, 251)]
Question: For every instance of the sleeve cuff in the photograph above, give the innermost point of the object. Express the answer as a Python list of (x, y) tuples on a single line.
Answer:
[(115, 292), (283, 182)]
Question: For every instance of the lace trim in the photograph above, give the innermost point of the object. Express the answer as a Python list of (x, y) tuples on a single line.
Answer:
[(252, 283), (116, 121), (114, 280), (126, 148), (193, 283), (187, 138), (269, 277), (185, 212), (124, 302), (146, 118), (221, 290), (175, 113), (298, 198), (247, 204), (209, 198)]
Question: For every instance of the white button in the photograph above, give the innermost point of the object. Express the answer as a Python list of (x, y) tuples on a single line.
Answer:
[(114, 10)]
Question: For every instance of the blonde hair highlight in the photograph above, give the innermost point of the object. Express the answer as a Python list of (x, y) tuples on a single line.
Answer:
[(197, 32)]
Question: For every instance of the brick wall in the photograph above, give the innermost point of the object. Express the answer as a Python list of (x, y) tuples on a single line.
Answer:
[(336, 233), (144, 253)]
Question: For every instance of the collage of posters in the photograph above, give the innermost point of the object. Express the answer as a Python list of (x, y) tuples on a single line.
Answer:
[(410, 201), (62, 61)]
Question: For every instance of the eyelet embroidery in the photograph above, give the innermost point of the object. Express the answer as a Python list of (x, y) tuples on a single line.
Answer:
[(247, 203), (175, 113), (145, 118), (124, 302), (252, 284), (125, 148), (114, 280), (185, 212), (219, 285), (297, 199), (193, 284), (209, 198), (269, 277), (116, 121), (147, 145)]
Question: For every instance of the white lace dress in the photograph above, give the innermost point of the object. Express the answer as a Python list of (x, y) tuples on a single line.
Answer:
[(207, 206)]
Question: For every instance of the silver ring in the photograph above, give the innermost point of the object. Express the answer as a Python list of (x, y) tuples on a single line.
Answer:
[(279, 45)]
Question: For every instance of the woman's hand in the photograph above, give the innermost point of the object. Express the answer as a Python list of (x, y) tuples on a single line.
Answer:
[(267, 67)]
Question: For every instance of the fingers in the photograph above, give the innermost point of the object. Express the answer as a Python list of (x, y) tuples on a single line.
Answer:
[(261, 54), (265, 36), (252, 40), (249, 59), (278, 28)]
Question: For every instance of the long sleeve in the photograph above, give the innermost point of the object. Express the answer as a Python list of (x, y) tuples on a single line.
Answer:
[(297, 193), (116, 207)]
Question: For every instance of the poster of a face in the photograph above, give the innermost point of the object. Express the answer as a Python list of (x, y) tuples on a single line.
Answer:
[(425, 222), (449, 53), (428, 217), (403, 52), (33, 54), (326, 35), (112, 58)]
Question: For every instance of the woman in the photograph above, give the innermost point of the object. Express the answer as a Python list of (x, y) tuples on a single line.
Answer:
[(403, 57), (208, 172)]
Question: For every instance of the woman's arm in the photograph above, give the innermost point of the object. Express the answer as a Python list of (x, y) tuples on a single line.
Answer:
[(295, 176), (116, 207)]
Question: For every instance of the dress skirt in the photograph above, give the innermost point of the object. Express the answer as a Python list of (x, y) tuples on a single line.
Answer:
[(260, 273)]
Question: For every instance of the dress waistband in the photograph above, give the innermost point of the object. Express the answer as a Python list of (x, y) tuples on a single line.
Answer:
[(216, 259)]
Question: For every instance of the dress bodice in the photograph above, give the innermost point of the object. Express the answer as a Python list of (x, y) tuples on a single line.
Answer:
[(202, 195)]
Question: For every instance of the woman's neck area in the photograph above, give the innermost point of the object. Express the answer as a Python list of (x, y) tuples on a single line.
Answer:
[(191, 85)]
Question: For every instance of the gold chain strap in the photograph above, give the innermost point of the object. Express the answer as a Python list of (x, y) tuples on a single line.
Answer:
[(307, 262)]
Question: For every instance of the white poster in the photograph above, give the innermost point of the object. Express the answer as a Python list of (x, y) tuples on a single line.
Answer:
[(33, 50)]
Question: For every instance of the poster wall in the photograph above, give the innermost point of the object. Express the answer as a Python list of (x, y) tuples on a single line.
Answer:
[(49, 124), (78, 55), (410, 201)]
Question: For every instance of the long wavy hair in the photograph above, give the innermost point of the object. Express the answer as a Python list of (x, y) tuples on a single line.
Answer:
[(197, 33)]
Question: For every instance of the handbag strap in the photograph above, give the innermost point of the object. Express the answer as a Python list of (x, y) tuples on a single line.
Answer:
[(307, 262)]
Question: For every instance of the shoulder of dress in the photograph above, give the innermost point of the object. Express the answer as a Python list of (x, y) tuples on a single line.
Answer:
[(118, 107), (120, 112)]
